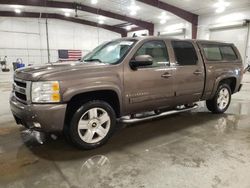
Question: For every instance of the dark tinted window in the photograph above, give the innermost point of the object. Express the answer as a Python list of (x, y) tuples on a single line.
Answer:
[(158, 51), (212, 53), (185, 53), (228, 53)]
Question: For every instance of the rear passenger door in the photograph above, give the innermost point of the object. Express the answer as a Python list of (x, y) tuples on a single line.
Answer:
[(189, 74)]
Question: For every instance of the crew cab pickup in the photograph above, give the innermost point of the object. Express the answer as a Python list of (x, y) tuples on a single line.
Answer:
[(121, 79)]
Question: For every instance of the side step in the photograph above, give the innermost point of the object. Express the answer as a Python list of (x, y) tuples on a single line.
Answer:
[(136, 120)]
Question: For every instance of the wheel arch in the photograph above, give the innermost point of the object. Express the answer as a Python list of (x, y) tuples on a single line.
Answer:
[(230, 80), (108, 95)]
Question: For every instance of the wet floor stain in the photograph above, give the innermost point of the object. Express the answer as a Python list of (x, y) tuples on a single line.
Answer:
[(196, 149)]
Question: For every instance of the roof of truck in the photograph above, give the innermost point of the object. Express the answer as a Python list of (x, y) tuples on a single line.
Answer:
[(169, 38)]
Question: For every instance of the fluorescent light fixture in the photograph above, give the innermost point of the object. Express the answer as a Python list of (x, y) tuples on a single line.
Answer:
[(228, 25), (18, 11), (128, 28), (67, 14), (173, 32), (93, 2)]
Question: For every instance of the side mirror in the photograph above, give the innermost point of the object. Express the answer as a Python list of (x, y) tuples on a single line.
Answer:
[(141, 61)]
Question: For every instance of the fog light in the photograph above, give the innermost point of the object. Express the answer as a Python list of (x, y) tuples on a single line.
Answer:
[(37, 125)]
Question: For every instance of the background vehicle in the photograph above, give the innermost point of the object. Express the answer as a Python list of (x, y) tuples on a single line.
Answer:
[(121, 79)]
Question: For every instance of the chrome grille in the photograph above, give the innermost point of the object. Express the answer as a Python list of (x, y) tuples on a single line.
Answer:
[(21, 90)]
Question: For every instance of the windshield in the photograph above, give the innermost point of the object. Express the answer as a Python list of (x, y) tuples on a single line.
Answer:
[(111, 52)]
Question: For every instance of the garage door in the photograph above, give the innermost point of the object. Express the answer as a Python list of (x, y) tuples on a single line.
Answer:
[(238, 36)]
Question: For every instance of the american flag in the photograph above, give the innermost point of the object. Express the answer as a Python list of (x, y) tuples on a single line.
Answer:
[(69, 55)]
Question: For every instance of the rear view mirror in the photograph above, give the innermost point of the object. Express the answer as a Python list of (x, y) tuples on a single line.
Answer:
[(141, 61)]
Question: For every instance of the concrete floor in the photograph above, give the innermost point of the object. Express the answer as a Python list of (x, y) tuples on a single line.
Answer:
[(195, 149)]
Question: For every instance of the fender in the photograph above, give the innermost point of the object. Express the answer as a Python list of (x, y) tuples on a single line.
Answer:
[(70, 92), (219, 79)]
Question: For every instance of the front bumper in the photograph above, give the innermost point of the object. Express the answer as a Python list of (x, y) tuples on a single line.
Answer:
[(41, 117)]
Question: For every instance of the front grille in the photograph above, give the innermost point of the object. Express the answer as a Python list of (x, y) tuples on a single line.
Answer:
[(21, 96), (21, 89), (21, 84)]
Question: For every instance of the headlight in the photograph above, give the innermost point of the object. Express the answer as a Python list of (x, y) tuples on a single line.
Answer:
[(45, 92)]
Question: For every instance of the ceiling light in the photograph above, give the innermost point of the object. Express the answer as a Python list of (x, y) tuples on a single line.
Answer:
[(101, 18), (67, 14), (18, 11), (221, 3), (133, 13), (101, 22), (163, 18), (133, 9), (221, 6), (220, 9), (163, 21), (93, 2), (128, 28)]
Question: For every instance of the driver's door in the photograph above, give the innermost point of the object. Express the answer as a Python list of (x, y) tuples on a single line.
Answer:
[(149, 87)]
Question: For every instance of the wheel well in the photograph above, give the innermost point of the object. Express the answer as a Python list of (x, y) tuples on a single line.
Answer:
[(108, 96), (231, 82)]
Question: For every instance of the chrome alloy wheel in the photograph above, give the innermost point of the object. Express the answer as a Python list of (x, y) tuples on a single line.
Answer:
[(94, 125), (223, 98)]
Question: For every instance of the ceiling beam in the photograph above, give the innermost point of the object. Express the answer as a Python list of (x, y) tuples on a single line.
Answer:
[(69, 5), (121, 31), (186, 15)]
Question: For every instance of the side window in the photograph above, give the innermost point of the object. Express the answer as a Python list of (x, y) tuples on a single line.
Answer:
[(228, 53), (212, 53), (185, 53), (158, 51)]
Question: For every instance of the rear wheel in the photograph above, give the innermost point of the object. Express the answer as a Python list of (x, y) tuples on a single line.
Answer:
[(221, 101), (92, 124)]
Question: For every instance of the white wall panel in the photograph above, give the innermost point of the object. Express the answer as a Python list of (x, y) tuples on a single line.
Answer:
[(238, 36), (26, 38)]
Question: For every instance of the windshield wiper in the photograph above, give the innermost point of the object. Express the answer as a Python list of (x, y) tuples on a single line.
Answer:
[(90, 60)]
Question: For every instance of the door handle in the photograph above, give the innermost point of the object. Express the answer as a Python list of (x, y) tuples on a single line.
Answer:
[(166, 75), (198, 72)]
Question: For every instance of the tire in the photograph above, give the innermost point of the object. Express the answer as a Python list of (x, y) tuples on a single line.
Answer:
[(221, 101), (92, 125)]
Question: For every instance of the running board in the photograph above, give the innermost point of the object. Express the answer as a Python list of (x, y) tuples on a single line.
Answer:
[(136, 120)]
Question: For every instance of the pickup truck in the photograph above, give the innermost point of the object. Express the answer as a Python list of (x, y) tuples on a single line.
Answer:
[(128, 80)]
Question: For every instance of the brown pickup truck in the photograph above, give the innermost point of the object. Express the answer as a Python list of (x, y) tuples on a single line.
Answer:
[(128, 80)]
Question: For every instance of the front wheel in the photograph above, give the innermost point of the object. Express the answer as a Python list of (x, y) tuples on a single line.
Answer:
[(221, 101), (92, 124)]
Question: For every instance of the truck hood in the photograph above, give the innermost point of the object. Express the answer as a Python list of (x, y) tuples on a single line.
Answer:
[(34, 73)]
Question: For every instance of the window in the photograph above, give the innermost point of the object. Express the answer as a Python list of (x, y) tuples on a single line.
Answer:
[(228, 53), (212, 53), (185, 53), (219, 53), (110, 53), (158, 51)]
